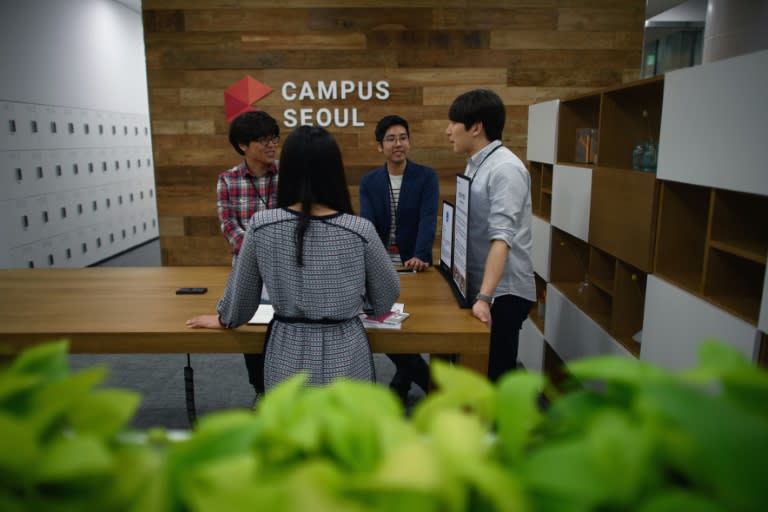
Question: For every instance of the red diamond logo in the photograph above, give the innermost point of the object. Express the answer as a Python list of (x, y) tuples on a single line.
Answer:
[(241, 96)]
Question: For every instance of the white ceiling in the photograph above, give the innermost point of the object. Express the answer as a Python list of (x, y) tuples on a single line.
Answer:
[(652, 9), (686, 12), (134, 5)]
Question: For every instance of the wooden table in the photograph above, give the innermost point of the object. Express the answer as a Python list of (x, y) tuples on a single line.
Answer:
[(119, 310)]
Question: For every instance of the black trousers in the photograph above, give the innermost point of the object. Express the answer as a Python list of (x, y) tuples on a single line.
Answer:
[(254, 363), (410, 368), (507, 316)]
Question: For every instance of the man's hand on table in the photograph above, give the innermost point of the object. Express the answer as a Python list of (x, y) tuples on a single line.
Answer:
[(416, 264)]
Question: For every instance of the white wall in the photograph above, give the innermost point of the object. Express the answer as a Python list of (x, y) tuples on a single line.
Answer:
[(76, 53), (76, 165)]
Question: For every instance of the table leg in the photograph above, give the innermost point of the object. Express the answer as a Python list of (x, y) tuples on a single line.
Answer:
[(476, 362), (189, 392)]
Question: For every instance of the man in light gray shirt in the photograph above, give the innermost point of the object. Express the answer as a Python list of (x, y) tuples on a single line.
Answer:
[(499, 266)]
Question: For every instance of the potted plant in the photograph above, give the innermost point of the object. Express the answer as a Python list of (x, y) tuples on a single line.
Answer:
[(625, 436)]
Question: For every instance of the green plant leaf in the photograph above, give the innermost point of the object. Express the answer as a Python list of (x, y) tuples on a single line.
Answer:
[(137, 467), (104, 412), (457, 436), (16, 389), (621, 452), (364, 399), (220, 483), (571, 413), (517, 412), (719, 355), (218, 436), (624, 370), (495, 488), (316, 486), (51, 404), (458, 388), (562, 472), (410, 466), (741, 381), (718, 445), (71, 458), (48, 359), (19, 449), (677, 501), (353, 430), (12, 503)]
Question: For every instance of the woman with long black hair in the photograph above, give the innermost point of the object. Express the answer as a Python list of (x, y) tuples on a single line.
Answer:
[(319, 262)]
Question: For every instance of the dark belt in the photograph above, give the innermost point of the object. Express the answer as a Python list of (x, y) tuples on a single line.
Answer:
[(302, 320)]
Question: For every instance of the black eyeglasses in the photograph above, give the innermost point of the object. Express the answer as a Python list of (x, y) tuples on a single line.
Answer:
[(391, 139), (274, 139)]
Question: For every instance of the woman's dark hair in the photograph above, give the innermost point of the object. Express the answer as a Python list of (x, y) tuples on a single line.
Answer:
[(387, 122), (311, 173), (251, 126), (480, 105)]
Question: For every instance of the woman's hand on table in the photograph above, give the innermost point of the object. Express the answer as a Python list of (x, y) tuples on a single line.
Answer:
[(204, 322)]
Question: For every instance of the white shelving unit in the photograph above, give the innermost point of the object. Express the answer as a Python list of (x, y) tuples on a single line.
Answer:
[(571, 196), (542, 154), (699, 272), (676, 322), (712, 150), (572, 333)]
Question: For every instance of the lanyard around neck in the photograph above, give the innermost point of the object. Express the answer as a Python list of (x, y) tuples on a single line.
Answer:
[(477, 169), (265, 202)]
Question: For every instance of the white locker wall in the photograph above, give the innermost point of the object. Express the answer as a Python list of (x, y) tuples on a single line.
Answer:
[(84, 174)]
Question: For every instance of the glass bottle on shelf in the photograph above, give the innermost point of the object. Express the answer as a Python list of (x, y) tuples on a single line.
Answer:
[(637, 156), (649, 157), (582, 289)]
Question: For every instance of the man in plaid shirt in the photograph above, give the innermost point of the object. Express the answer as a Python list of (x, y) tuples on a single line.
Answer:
[(247, 188)]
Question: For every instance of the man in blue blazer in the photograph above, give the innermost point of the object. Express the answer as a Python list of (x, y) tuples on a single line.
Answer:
[(400, 199)]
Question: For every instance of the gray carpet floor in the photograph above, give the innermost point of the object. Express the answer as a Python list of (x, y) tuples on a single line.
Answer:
[(221, 380)]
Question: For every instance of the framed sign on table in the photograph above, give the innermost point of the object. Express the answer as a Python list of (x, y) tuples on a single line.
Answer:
[(446, 237), (459, 239)]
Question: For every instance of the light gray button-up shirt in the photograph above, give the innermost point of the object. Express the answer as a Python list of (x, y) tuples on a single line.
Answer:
[(500, 209)]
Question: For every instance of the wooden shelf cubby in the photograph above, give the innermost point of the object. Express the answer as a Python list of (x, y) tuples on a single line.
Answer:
[(602, 270), (575, 113), (628, 307), (739, 225), (681, 234), (713, 243), (622, 215), (599, 305), (541, 189), (569, 260), (537, 313), (534, 169), (607, 289), (734, 284), (629, 115)]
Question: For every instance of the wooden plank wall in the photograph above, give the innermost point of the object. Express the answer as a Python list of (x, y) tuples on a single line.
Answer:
[(428, 51)]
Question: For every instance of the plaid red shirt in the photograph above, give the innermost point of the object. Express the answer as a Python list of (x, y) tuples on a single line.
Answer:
[(241, 194)]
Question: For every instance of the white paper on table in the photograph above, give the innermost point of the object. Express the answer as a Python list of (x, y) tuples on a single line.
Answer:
[(263, 315)]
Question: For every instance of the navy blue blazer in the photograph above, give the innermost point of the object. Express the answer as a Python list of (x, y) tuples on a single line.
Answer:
[(416, 214)]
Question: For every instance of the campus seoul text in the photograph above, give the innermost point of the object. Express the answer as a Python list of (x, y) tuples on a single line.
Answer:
[(322, 90)]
